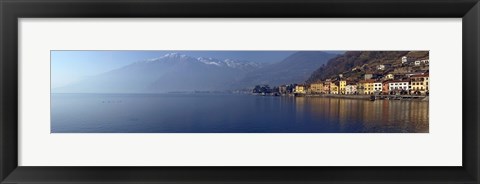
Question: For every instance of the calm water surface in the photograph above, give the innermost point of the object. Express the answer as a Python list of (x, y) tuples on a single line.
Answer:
[(232, 113)]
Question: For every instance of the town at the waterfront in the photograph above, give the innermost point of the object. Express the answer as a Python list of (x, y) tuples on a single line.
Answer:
[(407, 79), (242, 92)]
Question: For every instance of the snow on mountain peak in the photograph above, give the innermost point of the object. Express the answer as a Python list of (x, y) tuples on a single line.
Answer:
[(230, 63), (167, 56), (174, 55), (209, 61)]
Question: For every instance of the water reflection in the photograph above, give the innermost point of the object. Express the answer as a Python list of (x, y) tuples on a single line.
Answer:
[(209, 113), (364, 115)]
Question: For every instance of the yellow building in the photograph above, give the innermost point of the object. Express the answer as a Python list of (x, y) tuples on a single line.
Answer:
[(334, 88), (419, 84), (317, 88), (342, 87), (389, 76), (366, 87), (300, 89)]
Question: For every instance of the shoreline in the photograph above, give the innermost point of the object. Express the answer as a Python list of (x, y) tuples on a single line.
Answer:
[(359, 97), (368, 97)]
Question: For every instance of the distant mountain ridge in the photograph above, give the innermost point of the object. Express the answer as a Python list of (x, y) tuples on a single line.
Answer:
[(296, 68), (232, 63), (171, 72), (175, 72)]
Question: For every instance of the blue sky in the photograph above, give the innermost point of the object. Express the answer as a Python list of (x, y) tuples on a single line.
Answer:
[(71, 66)]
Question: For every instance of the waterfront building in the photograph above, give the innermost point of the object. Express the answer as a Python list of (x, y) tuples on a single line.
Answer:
[(385, 87), (342, 85), (366, 87), (301, 89), (317, 88), (398, 86), (369, 86), (334, 87), (360, 88), (377, 87), (326, 87), (420, 84), (350, 89)]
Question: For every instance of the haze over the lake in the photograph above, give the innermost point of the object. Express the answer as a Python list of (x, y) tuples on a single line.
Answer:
[(172, 71)]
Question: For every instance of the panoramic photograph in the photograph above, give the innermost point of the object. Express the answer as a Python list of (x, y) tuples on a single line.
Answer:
[(239, 91)]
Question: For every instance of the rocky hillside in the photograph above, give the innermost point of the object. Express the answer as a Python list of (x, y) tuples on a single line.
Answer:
[(353, 64)]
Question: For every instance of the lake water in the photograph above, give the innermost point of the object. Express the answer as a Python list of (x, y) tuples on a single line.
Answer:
[(232, 113)]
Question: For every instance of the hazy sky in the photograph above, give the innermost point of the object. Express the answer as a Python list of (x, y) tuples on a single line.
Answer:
[(71, 66)]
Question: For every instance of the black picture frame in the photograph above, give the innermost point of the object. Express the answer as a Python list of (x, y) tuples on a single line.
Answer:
[(11, 10)]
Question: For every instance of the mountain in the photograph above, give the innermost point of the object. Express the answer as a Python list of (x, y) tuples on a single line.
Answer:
[(169, 73), (294, 69), (347, 63)]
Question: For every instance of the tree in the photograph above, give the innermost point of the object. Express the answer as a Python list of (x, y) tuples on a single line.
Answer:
[(257, 89)]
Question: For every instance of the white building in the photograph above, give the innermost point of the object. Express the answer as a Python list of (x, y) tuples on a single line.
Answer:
[(398, 85), (380, 67), (350, 89), (406, 59), (425, 61), (418, 62), (377, 87)]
